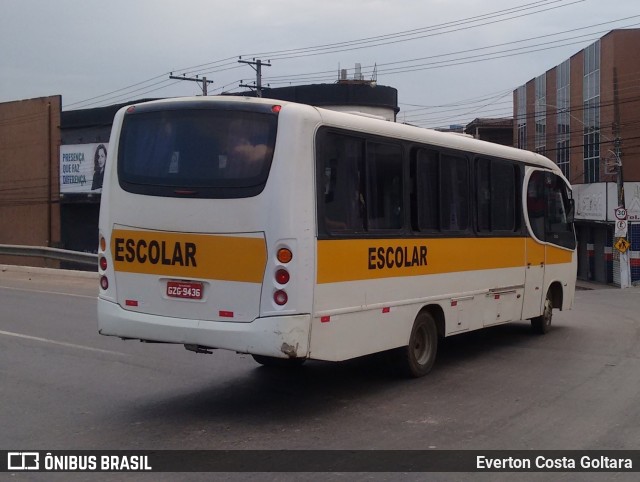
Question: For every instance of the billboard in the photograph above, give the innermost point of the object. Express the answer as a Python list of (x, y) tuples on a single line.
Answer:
[(599, 201), (82, 167), (591, 201)]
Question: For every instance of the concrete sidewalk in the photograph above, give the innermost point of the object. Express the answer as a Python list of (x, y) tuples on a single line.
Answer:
[(590, 285)]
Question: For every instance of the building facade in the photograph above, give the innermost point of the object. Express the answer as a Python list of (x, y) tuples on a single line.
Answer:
[(498, 131), (29, 189), (584, 114)]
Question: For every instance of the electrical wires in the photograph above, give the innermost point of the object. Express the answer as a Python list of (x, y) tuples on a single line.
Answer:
[(162, 83)]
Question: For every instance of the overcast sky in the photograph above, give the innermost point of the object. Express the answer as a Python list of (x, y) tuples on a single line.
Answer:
[(452, 60)]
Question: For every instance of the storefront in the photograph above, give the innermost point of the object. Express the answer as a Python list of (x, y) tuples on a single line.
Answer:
[(598, 258)]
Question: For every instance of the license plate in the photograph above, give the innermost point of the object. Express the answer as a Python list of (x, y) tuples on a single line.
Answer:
[(184, 290)]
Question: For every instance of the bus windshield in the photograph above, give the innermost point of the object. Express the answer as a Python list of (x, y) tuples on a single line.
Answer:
[(196, 152)]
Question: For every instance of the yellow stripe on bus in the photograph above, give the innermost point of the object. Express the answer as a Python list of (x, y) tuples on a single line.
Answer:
[(361, 259), (186, 255), (558, 255)]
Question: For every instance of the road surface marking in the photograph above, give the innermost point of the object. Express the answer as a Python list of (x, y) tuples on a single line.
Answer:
[(49, 292), (61, 343)]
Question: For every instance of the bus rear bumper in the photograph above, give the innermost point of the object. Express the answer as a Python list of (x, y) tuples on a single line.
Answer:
[(278, 336)]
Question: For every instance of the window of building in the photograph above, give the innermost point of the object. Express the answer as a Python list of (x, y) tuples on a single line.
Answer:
[(563, 127), (541, 114), (591, 113), (521, 116)]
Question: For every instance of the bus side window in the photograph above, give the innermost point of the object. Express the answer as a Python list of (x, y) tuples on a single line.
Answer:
[(330, 175), (483, 194), (344, 208), (503, 196), (384, 183), (536, 204), (427, 197), (496, 195), (442, 192), (558, 228), (454, 193)]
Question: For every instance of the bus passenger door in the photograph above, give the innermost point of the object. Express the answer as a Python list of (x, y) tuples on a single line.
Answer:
[(535, 246)]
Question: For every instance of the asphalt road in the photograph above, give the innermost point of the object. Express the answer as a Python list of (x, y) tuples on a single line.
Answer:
[(63, 386)]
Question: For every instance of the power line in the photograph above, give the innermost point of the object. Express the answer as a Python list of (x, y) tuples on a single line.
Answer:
[(398, 37), (463, 60), (521, 41), (192, 70), (589, 36), (368, 40)]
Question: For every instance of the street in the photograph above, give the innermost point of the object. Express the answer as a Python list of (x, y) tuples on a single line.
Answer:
[(63, 386)]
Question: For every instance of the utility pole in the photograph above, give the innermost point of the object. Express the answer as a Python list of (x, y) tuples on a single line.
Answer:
[(620, 176), (625, 262), (256, 64), (621, 244), (202, 80)]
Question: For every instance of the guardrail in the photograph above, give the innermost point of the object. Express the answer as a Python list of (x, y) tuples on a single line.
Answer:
[(88, 259)]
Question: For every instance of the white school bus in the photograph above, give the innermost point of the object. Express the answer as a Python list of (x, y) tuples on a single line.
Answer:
[(291, 232)]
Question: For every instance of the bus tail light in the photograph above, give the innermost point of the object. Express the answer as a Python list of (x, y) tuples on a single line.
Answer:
[(284, 255), (103, 264), (280, 297), (282, 276)]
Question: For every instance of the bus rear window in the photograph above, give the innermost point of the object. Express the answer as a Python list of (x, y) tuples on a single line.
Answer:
[(196, 152)]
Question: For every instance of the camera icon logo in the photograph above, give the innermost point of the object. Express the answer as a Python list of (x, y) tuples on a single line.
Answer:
[(23, 461)]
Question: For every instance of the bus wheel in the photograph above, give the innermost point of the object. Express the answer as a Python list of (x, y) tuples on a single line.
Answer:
[(272, 361), (418, 357), (542, 324)]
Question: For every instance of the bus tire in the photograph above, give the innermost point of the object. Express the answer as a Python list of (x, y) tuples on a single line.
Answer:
[(272, 361), (417, 358), (542, 324)]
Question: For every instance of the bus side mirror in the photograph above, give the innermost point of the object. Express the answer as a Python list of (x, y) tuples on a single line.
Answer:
[(572, 211)]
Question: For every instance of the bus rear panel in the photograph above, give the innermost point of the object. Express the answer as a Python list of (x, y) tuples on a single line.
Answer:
[(192, 251)]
